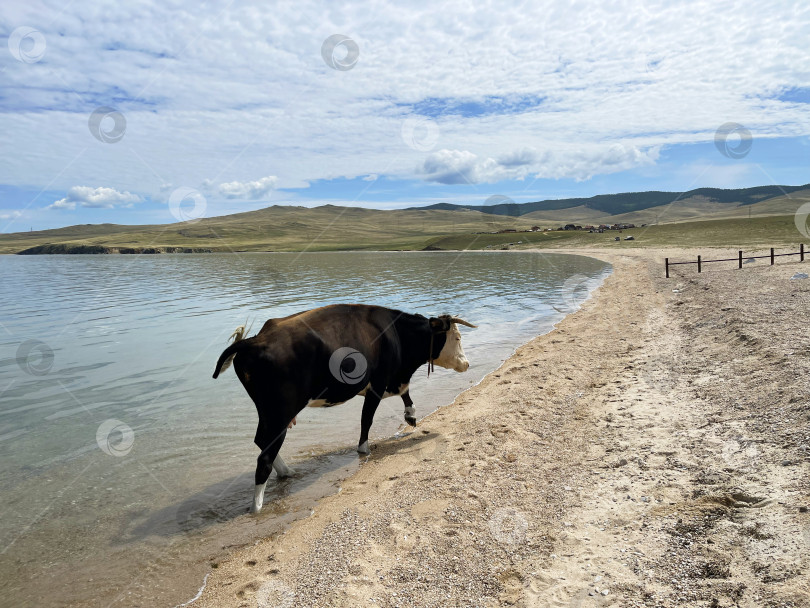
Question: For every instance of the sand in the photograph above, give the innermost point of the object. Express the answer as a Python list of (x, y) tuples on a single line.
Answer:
[(652, 450)]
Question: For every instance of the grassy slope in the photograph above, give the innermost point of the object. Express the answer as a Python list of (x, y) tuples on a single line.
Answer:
[(339, 228), (772, 231), (689, 209), (276, 229)]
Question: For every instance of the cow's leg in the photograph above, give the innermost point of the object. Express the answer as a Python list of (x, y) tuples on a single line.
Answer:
[(270, 439), (373, 398), (263, 438), (279, 466), (410, 410)]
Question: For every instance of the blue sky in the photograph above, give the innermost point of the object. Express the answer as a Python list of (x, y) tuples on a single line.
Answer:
[(148, 113)]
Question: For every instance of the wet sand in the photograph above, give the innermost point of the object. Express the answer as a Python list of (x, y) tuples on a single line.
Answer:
[(652, 450)]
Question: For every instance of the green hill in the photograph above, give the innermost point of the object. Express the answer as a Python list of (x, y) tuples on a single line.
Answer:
[(705, 217), (626, 202)]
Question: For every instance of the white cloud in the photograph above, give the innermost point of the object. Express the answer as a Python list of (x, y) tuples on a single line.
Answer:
[(460, 167), (229, 91), (12, 215), (251, 191), (581, 163), (62, 203), (519, 158), (100, 198)]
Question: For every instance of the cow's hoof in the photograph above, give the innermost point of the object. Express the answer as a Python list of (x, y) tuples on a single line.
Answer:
[(363, 448), (258, 498), (410, 415), (410, 420), (281, 468)]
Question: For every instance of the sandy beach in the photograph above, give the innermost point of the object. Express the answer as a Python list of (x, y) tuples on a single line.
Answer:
[(652, 450)]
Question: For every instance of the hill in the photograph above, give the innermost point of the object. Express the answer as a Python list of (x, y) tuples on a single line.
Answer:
[(277, 228), (331, 228), (627, 202)]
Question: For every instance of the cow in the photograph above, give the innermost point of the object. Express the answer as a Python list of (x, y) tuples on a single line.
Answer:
[(326, 356)]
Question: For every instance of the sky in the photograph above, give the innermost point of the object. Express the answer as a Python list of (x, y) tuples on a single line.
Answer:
[(159, 112)]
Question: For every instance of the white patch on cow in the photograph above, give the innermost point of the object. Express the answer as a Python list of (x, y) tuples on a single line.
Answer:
[(258, 498), (363, 448), (410, 416), (452, 354), (281, 468), (316, 403)]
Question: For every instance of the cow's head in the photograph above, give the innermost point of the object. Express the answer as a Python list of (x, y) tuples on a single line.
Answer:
[(451, 354)]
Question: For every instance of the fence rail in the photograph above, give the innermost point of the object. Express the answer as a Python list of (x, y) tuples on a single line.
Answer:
[(739, 259)]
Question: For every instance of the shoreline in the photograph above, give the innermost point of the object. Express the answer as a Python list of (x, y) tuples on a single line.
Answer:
[(484, 502), (170, 543)]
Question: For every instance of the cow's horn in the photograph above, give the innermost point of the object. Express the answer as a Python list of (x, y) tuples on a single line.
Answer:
[(461, 322)]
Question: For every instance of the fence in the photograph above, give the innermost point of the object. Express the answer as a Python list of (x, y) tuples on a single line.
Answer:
[(738, 259)]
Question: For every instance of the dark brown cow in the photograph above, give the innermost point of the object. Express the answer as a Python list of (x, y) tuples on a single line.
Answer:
[(326, 356)]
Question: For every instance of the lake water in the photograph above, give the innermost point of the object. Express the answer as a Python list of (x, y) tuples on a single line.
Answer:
[(126, 470)]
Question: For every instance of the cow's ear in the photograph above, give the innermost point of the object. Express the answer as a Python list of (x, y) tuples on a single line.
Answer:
[(438, 324)]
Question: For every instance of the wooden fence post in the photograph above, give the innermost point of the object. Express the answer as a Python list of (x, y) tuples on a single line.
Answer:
[(666, 265), (698, 263), (740, 264), (772, 258)]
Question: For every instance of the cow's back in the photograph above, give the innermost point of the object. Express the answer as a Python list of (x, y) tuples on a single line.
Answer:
[(306, 350)]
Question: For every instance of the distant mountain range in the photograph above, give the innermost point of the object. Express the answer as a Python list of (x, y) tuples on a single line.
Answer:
[(626, 202), (333, 228)]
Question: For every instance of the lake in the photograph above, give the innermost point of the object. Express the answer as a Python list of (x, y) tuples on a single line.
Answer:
[(126, 470)]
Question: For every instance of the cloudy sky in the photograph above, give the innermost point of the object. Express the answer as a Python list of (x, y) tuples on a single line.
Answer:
[(144, 112)]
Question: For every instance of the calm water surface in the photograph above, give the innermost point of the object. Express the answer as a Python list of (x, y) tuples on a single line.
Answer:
[(126, 469)]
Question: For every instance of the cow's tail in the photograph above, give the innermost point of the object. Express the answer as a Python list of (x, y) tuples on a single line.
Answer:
[(229, 353)]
